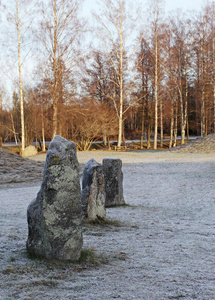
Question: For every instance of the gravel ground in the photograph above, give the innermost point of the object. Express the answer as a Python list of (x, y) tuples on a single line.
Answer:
[(160, 246)]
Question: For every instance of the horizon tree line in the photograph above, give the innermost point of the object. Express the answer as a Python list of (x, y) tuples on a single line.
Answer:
[(136, 81)]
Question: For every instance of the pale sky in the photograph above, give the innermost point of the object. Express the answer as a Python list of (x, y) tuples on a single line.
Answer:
[(91, 5), (169, 4), (184, 4)]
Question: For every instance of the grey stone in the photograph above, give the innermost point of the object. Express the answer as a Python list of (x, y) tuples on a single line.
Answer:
[(112, 169), (55, 216), (29, 151), (93, 191)]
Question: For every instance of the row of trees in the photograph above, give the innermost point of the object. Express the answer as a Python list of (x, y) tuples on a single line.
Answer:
[(135, 81)]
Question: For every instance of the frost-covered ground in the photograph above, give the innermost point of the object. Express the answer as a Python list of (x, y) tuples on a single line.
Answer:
[(161, 247)]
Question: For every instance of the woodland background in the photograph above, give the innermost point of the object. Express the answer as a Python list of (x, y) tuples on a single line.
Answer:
[(132, 73)]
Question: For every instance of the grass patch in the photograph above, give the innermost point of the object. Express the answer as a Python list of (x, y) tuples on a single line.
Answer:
[(44, 282), (89, 257), (106, 222), (13, 270), (12, 259), (9, 270), (120, 205)]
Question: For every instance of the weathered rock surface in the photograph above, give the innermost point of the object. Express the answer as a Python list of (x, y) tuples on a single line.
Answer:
[(112, 169), (55, 216), (93, 191), (29, 151)]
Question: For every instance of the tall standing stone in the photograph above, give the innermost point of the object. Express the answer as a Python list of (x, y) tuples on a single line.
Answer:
[(55, 216), (93, 191), (112, 168)]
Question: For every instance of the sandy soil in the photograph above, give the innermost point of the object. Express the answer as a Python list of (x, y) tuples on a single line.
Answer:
[(161, 246)]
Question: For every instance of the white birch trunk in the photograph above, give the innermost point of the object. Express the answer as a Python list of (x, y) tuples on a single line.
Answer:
[(214, 104), (183, 106), (120, 81), (156, 90), (43, 127), (54, 95), (182, 117), (213, 58), (20, 79), (161, 123), (171, 124), (149, 136), (186, 123), (202, 91), (142, 128), (1, 122), (175, 124), (203, 112), (105, 139), (13, 128)]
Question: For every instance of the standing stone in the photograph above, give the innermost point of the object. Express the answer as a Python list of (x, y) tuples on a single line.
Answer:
[(29, 151), (112, 168), (93, 191), (55, 216)]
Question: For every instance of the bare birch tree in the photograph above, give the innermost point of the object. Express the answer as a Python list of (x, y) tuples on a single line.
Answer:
[(20, 75), (155, 17), (145, 56), (210, 11), (115, 28), (61, 30), (201, 46), (19, 14), (181, 51)]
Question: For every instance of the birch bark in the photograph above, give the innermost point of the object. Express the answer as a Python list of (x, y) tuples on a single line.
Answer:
[(20, 78), (156, 85)]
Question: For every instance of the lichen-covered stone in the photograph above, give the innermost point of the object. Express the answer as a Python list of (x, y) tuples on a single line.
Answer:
[(55, 216), (29, 151), (93, 191), (112, 169)]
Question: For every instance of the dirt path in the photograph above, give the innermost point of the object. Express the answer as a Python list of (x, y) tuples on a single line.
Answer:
[(159, 247)]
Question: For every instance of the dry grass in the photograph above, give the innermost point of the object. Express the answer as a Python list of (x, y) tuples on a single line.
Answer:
[(91, 259), (105, 223)]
